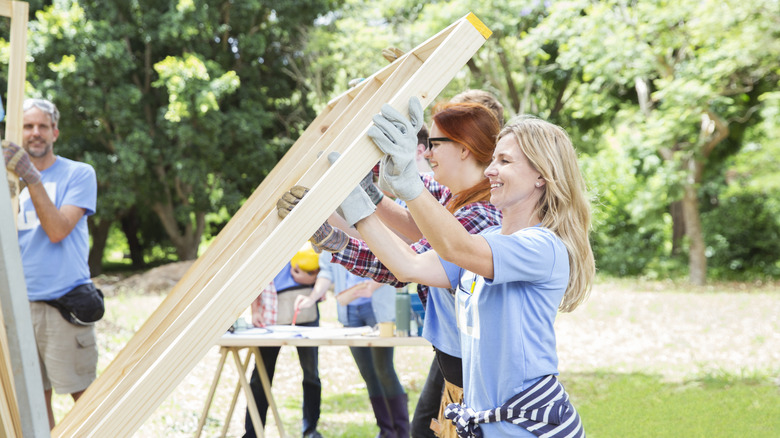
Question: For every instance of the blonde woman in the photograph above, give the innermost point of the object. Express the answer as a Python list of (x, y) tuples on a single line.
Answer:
[(510, 280)]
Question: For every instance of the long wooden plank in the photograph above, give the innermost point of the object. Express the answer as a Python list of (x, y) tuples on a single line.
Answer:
[(10, 424), (303, 153), (256, 260), (17, 72), (24, 410), (10, 419), (6, 8)]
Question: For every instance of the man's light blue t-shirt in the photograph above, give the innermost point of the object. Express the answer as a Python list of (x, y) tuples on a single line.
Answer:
[(52, 269)]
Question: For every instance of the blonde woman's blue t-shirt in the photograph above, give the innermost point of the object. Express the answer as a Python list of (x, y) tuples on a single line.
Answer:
[(506, 323)]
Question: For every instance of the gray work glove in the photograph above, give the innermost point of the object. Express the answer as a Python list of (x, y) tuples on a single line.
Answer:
[(18, 161), (357, 205), (371, 189), (396, 136), (326, 237)]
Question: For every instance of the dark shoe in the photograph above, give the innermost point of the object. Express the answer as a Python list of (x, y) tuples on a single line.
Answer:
[(312, 434)]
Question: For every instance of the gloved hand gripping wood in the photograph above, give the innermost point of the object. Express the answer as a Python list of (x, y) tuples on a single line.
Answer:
[(396, 136), (18, 160), (355, 207), (326, 237)]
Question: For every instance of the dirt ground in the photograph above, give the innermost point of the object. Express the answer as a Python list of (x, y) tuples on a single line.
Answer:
[(659, 328), (156, 280)]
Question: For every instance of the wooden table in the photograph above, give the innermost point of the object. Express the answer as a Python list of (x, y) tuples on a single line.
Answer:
[(277, 336)]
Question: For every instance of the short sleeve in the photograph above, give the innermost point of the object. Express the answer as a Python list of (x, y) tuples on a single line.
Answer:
[(326, 267), (453, 272), (82, 189), (532, 254)]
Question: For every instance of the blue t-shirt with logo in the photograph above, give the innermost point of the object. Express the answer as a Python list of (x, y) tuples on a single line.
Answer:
[(506, 323), (52, 269)]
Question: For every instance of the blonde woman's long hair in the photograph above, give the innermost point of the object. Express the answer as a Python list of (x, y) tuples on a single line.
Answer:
[(563, 206)]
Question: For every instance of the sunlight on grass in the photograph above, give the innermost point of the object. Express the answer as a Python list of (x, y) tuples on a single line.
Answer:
[(640, 405)]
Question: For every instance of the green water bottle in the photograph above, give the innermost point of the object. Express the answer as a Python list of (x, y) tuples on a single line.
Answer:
[(403, 312)]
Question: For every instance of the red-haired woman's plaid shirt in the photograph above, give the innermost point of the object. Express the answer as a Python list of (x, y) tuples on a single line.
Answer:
[(359, 259)]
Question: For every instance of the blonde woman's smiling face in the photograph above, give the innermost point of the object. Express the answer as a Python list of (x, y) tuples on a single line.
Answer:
[(513, 180)]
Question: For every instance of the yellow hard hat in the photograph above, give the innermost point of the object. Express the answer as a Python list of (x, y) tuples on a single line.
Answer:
[(306, 258)]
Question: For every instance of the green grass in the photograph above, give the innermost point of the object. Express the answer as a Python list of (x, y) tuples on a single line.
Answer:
[(346, 414), (640, 405), (611, 405)]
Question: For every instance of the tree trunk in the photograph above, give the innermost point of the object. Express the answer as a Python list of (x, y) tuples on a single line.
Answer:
[(130, 228), (99, 232), (514, 97), (697, 258), (678, 226), (186, 242), (714, 129)]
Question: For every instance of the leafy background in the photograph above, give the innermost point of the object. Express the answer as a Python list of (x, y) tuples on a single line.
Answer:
[(184, 106)]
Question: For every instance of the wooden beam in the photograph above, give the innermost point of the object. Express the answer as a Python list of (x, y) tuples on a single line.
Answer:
[(253, 256), (17, 71), (10, 423), (6, 8), (24, 410)]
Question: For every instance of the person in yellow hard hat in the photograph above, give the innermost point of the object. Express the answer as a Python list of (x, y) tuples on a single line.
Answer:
[(305, 260), (276, 306)]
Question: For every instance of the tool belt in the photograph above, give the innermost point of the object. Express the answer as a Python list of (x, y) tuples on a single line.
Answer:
[(441, 426)]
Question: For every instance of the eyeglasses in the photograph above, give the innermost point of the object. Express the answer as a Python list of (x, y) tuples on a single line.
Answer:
[(436, 139)]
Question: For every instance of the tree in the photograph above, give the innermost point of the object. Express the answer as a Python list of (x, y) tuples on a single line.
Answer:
[(182, 107), (691, 75)]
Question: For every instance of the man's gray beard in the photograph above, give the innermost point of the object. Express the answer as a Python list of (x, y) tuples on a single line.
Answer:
[(43, 153)]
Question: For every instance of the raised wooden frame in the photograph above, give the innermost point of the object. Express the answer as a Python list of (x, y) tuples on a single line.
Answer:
[(255, 244)]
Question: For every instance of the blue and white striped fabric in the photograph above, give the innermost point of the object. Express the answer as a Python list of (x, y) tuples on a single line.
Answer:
[(543, 409)]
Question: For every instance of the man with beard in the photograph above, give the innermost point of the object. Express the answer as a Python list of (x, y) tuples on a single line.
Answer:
[(54, 243)]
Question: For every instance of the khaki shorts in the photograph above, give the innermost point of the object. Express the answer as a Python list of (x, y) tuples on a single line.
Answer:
[(67, 352)]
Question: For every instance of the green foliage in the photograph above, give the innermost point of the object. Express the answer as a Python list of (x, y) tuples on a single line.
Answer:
[(629, 232), (744, 232), (182, 107), (743, 215), (743, 237)]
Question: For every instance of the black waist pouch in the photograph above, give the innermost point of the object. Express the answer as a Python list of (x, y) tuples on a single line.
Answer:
[(81, 306)]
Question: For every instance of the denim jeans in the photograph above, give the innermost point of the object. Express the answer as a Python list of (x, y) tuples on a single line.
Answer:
[(312, 388), (374, 363)]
